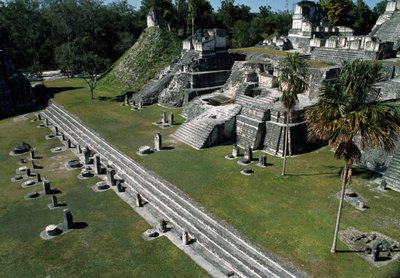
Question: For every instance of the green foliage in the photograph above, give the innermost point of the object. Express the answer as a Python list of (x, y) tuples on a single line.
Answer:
[(153, 51), (292, 78), (32, 30), (351, 109), (338, 11), (363, 19), (380, 7)]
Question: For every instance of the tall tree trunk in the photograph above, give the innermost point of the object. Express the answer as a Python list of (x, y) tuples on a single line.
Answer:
[(344, 183), (285, 142)]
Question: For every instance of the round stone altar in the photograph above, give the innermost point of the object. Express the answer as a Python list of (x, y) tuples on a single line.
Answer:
[(52, 230)]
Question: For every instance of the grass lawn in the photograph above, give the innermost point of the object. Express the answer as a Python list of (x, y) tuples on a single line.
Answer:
[(292, 217), (111, 244)]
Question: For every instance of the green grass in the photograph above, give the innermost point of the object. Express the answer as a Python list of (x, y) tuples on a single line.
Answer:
[(292, 217), (111, 244)]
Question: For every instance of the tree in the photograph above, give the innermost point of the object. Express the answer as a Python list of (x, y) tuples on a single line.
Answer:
[(200, 13), (363, 19), (338, 11), (380, 7), (349, 111), (91, 65), (292, 80)]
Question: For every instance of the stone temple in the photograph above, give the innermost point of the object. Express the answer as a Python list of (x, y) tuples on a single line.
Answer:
[(234, 98), (312, 34)]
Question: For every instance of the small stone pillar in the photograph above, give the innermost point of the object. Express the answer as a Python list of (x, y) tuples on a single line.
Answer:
[(133, 104), (33, 164), (32, 154), (376, 253), (68, 219), (157, 141), (139, 200), (248, 154), (46, 121), (39, 116), (171, 118), (110, 175), (262, 161), (54, 200), (126, 100), (56, 130), (28, 172), (383, 185), (97, 165), (38, 178), (185, 237), (235, 150), (46, 187), (79, 149), (120, 188), (69, 144), (140, 105), (163, 117), (86, 155), (63, 137)]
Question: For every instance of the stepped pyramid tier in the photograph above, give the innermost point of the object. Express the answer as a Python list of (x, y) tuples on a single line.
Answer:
[(16, 95), (205, 68), (212, 127), (275, 132), (392, 173), (387, 27), (250, 124)]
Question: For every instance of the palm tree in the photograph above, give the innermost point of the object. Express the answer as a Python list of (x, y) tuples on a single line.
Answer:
[(348, 111), (292, 80)]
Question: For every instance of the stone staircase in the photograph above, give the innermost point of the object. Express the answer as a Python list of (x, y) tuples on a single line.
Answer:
[(194, 133), (392, 173), (390, 29), (250, 124), (212, 127)]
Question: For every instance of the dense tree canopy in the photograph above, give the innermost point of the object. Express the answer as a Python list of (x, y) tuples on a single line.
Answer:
[(45, 34)]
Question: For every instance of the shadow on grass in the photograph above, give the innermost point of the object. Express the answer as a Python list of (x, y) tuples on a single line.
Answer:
[(365, 173), (79, 225), (55, 90), (333, 171)]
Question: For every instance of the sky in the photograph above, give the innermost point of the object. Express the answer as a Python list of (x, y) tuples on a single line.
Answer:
[(276, 5)]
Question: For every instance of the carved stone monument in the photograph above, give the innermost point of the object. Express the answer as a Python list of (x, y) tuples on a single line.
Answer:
[(46, 187), (110, 175), (235, 151), (157, 141), (185, 237), (163, 117), (68, 219), (97, 165), (248, 154), (262, 161), (171, 119), (139, 200), (86, 154)]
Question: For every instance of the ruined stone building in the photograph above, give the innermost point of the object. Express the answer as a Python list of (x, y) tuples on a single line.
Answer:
[(311, 33), (15, 90)]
